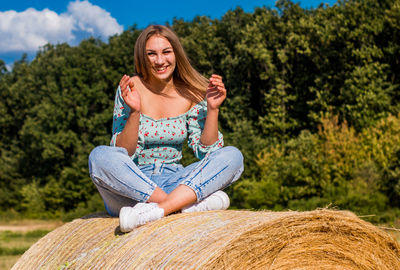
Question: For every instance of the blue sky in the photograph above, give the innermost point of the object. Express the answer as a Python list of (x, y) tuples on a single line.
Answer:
[(26, 25)]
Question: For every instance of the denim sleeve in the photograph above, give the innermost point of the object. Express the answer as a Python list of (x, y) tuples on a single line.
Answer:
[(120, 116), (195, 121)]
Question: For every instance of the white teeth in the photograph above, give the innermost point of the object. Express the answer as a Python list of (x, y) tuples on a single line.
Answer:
[(161, 69)]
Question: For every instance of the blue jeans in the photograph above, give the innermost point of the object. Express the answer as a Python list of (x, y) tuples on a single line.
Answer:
[(122, 183)]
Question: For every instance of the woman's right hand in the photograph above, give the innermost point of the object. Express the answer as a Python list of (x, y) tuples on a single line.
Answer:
[(130, 94)]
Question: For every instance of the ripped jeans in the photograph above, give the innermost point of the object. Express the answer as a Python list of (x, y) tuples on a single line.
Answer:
[(123, 183)]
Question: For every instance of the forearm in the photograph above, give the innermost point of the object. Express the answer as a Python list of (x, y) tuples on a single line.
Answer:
[(128, 138), (210, 131)]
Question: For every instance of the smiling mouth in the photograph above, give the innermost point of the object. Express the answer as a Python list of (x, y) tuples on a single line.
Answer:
[(161, 69)]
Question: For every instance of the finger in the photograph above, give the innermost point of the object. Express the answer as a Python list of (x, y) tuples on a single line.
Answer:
[(216, 76), (220, 87), (220, 96), (123, 87), (217, 82), (124, 78), (131, 84), (212, 92), (215, 94), (123, 82), (124, 91), (222, 90)]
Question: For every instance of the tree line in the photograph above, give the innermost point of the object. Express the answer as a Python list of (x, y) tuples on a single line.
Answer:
[(313, 104)]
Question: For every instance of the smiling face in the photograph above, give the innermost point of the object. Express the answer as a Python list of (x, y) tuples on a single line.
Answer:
[(161, 58)]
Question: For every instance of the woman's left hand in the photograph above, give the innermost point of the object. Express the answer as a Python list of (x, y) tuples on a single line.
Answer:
[(216, 92)]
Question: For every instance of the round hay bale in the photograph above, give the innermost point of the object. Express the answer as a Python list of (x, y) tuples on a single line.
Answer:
[(320, 239)]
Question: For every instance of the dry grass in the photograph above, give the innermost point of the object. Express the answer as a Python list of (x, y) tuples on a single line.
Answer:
[(14, 244), (321, 239), (6, 262), (27, 225), (16, 236)]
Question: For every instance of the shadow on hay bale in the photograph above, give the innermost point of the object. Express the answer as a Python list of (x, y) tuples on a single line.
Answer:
[(320, 239)]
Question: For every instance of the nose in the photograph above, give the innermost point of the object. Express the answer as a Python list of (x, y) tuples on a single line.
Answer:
[(159, 59)]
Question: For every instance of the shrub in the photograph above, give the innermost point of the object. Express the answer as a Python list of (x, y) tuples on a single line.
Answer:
[(336, 167)]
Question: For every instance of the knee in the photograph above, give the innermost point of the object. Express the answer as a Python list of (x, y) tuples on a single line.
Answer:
[(232, 156), (97, 154), (99, 157)]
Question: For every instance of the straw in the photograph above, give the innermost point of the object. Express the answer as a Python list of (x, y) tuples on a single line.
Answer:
[(319, 239)]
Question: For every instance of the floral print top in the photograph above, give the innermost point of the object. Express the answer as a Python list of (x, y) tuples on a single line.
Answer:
[(161, 141)]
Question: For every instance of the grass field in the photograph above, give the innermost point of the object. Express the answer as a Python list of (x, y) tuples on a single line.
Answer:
[(17, 236)]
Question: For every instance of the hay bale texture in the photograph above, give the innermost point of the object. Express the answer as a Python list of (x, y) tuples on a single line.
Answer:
[(320, 239)]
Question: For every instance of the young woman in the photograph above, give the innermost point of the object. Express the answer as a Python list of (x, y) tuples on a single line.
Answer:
[(139, 176)]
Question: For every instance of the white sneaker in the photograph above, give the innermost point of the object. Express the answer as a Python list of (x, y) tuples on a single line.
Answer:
[(219, 200), (140, 214)]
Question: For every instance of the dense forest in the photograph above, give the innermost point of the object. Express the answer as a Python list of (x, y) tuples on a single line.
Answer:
[(313, 104)]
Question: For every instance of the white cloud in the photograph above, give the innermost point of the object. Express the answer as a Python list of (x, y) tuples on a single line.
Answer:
[(93, 19), (30, 29)]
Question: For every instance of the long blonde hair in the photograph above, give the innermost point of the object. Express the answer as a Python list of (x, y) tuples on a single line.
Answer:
[(188, 82)]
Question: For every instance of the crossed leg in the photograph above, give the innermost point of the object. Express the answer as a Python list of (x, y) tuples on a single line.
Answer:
[(220, 169), (179, 198)]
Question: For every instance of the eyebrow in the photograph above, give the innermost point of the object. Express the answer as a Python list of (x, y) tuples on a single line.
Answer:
[(167, 48)]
